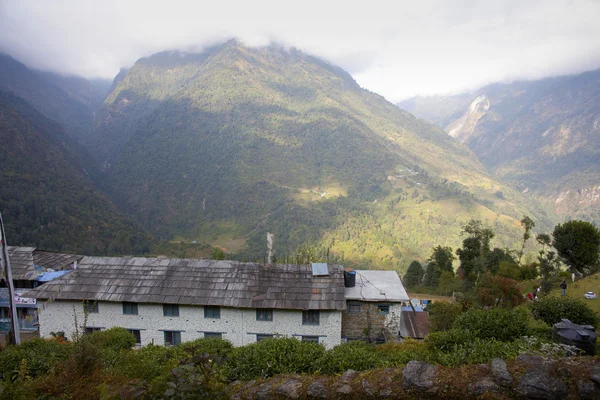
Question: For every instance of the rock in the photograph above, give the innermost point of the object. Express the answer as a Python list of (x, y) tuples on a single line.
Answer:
[(420, 376), (587, 390), (367, 389), (317, 390), (538, 384), (348, 376), (530, 360), (264, 391), (483, 386), (290, 388), (346, 389), (595, 374), (385, 392), (500, 373)]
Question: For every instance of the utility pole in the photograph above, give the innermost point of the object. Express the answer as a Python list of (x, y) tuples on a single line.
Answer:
[(7, 275)]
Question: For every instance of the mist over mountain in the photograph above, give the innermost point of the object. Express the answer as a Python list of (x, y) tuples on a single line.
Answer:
[(541, 136), (226, 145)]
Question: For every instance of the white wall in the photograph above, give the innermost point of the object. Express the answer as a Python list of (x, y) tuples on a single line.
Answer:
[(239, 326)]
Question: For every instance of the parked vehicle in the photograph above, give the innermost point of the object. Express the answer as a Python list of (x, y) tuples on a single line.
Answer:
[(590, 295)]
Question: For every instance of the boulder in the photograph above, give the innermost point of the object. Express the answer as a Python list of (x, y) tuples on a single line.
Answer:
[(317, 390), (501, 375), (538, 384), (483, 386), (420, 376), (264, 391), (385, 392), (290, 388), (348, 376), (367, 388), (345, 389), (587, 390)]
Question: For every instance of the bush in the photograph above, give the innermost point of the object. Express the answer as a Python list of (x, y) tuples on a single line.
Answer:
[(40, 356), (146, 363), (442, 315), (497, 323), (494, 290), (212, 346), (355, 355), (552, 309), (273, 356), (478, 351), (114, 339), (447, 340)]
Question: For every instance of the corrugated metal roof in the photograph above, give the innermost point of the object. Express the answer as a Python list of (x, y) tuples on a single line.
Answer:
[(208, 282), (414, 325), (372, 285), (49, 276)]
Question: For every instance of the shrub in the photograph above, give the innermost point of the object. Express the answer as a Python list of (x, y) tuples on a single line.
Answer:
[(496, 323), (447, 340), (40, 355), (146, 363), (494, 290), (477, 351), (552, 309), (355, 355), (212, 346), (114, 339), (442, 315), (273, 356), (397, 354)]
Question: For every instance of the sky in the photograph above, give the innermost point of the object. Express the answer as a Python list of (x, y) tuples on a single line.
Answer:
[(395, 48)]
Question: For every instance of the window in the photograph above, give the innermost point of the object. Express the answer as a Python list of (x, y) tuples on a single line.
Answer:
[(171, 310), (130, 308), (314, 339), (310, 317), (264, 314), (383, 309), (213, 335), (4, 312), (90, 307), (90, 329), (353, 308), (172, 338), (212, 312), (138, 336), (260, 337)]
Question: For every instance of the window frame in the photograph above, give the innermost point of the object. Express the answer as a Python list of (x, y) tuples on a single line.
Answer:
[(213, 335), (138, 336), (383, 308), (175, 335), (309, 317), (211, 311), (263, 336), (352, 304), (91, 307), (130, 308), (170, 310), (264, 314), (91, 329)]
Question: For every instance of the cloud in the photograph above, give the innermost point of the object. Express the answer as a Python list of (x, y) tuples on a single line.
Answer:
[(395, 48)]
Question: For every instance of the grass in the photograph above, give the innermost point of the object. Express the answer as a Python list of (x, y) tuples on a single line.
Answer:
[(576, 290)]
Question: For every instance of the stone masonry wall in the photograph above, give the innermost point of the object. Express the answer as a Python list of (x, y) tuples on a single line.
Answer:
[(369, 323)]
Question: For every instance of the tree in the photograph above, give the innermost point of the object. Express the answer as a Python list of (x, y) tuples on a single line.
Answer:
[(497, 257), (498, 291), (476, 248), (414, 274), (578, 244), (442, 258), (527, 224)]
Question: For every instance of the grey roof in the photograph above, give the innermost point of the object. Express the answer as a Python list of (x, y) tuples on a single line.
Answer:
[(21, 263), (371, 285), (27, 262), (198, 282)]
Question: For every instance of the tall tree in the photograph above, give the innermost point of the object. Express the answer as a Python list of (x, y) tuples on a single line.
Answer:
[(476, 248), (527, 224), (578, 244), (414, 274)]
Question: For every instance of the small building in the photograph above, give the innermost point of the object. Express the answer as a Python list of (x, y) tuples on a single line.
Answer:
[(169, 301), (30, 268), (414, 322), (373, 306)]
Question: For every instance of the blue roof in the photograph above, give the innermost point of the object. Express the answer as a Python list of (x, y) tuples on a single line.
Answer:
[(409, 308), (50, 276)]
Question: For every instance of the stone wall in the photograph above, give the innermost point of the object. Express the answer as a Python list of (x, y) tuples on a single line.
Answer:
[(369, 323), (236, 325), (527, 377)]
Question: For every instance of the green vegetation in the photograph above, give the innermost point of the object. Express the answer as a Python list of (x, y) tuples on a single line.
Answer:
[(578, 244), (552, 309), (47, 199)]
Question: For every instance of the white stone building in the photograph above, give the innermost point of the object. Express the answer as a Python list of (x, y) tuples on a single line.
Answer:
[(169, 301)]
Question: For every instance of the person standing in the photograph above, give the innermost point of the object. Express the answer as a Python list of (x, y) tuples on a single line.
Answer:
[(563, 287), (573, 277)]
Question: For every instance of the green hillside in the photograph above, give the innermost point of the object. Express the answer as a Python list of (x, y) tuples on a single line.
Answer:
[(542, 136), (224, 146), (47, 199)]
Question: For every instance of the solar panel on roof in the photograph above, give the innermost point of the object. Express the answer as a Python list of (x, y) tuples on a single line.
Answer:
[(319, 269)]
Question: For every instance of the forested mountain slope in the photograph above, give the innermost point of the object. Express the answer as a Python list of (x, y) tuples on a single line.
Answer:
[(226, 145), (541, 136), (46, 197), (45, 92)]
